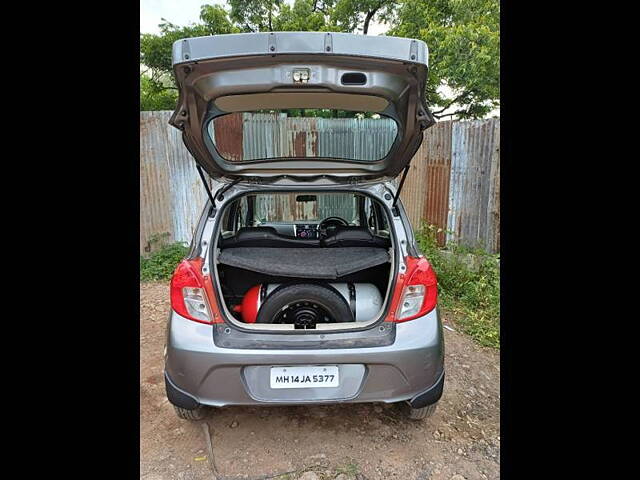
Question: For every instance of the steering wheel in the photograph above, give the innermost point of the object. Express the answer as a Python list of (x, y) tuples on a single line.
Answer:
[(332, 223)]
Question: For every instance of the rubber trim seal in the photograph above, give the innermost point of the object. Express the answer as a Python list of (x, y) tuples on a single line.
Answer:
[(236, 326), (382, 336)]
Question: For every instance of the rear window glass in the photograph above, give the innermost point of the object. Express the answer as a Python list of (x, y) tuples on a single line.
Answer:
[(272, 208), (303, 133), (284, 210)]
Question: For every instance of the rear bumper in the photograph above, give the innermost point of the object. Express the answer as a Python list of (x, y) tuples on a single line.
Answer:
[(199, 372)]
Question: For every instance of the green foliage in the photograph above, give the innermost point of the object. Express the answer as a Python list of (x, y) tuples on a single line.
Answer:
[(303, 16), (255, 15), (154, 96), (161, 264), (351, 15), (155, 50), (464, 52), (309, 15), (157, 85), (350, 468), (472, 294), (216, 20)]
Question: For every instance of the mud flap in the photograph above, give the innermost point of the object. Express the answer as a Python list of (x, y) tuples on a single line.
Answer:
[(177, 397), (430, 396)]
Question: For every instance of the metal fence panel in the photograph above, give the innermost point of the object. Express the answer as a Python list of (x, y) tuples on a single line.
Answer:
[(492, 236), (453, 181), (156, 213), (284, 207), (359, 138), (425, 193), (472, 187), (341, 205), (188, 195), (171, 192), (268, 135)]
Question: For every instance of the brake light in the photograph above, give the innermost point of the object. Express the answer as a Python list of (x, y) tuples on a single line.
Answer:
[(416, 292), (189, 292)]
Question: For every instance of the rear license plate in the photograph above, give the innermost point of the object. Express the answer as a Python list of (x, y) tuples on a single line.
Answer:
[(305, 377)]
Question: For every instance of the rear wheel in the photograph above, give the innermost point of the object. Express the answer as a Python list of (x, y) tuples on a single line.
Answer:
[(420, 413), (196, 414)]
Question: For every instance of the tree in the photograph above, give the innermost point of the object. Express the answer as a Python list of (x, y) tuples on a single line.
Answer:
[(154, 98), (216, 20), (351, 13), (157, 87), (255, 15), (156, 78), (310, 15), (464, 52), (303, 16)]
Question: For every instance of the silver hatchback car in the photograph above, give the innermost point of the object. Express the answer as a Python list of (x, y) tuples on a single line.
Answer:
[(304, 284)]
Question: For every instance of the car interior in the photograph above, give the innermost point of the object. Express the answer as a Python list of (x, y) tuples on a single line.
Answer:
[(243, 228), (291, 238)]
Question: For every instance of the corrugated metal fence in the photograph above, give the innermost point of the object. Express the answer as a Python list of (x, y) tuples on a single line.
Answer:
[(171, 192), (267, 135), (454, 181)]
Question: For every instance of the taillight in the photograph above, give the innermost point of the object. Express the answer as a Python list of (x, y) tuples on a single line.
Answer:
[(188, 296), (416, 291)]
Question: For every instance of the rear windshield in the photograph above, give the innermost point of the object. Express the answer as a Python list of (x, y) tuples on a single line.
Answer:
[(300, 207), (303, 133), (272, 209)]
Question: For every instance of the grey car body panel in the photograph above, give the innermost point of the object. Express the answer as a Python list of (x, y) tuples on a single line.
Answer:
[(210, 67), (220, 376), (310, 43)]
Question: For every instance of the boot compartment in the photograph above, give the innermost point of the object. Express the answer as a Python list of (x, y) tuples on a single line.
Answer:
[(277, 273)]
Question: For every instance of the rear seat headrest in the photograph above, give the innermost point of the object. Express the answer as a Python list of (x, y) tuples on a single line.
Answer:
[(267, 230), (264, 237)]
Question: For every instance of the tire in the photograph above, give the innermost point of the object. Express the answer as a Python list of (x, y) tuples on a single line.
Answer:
[(420, 413), (193, 415), (305, 304)]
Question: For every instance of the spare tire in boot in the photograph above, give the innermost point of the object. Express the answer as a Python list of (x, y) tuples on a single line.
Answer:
[(304, 305)]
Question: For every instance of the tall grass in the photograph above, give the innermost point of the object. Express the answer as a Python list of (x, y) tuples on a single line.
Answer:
[(161, 264), (471, 293)]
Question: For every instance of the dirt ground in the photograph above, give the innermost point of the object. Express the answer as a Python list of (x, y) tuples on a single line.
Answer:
[(349, 441)]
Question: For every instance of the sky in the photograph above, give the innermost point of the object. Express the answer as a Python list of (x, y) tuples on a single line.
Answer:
[(184, 12)]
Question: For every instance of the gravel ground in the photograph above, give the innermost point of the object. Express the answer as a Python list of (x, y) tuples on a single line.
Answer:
[(338, 442)]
